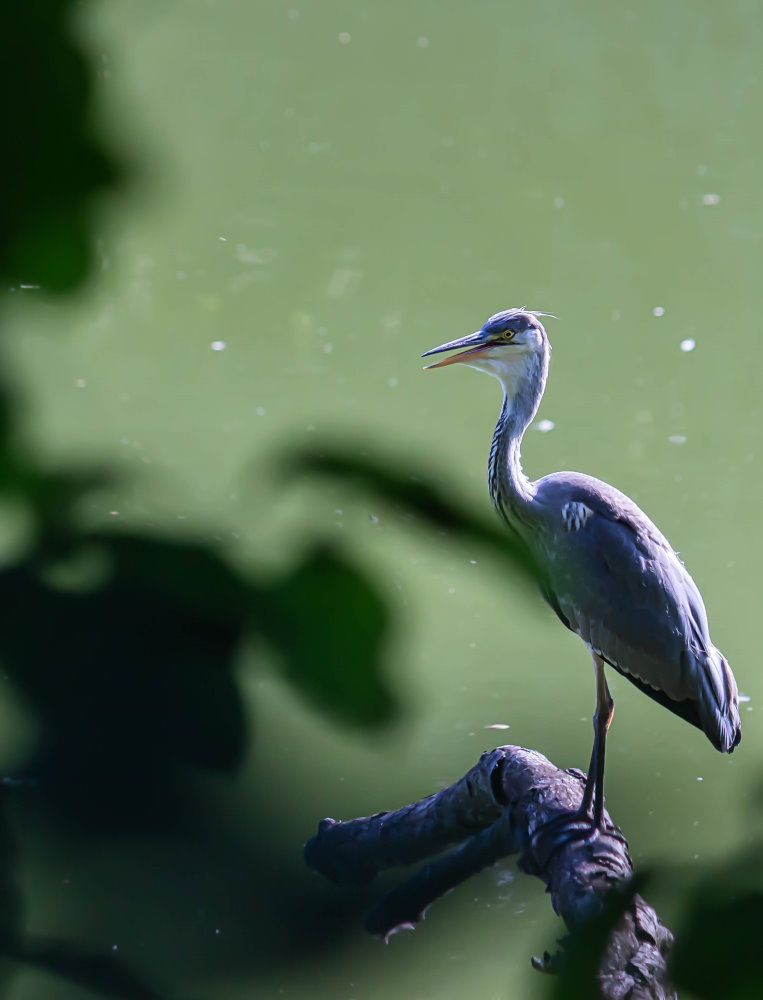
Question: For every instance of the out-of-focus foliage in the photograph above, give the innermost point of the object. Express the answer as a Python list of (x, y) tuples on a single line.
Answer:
[(403, 488), (124, 646), (140, 663), (54, 161), (714, 954), (716, 950), (348, 620), (578, 965)]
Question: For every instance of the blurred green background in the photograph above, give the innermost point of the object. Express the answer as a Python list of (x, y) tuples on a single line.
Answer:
[(312, 196)]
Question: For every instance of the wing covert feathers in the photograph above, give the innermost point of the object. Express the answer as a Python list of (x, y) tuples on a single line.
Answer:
[(614, 579)]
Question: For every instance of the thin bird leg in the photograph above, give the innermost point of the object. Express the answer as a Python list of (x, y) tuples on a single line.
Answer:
[(590, 781), (605, 709), (581, 823)]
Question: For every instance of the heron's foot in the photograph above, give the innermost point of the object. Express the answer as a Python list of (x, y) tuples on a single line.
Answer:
[(566, 828)]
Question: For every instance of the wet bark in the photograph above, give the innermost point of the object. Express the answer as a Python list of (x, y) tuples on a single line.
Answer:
[(503, 806)]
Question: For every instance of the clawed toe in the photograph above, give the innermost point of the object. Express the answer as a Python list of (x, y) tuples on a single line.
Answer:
[(564, 828)]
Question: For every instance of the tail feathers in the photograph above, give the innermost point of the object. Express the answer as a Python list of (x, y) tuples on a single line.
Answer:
[(719, 703)]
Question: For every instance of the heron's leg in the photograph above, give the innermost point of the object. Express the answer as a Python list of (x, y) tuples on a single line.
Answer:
[(590, 781), (584, 821), (605, 709)]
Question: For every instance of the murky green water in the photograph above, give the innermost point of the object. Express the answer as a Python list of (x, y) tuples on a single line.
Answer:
[(327, 190)]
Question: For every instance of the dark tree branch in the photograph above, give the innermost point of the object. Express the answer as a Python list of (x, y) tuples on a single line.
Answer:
[(502, 806)]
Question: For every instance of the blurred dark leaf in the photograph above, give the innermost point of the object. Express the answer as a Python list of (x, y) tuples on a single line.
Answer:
[(584, 949), (124, 678), (329, 623), (53, 497), (10, 897), (55, 162), (403, 488), (188, 573), (716, 949), (134, 674)]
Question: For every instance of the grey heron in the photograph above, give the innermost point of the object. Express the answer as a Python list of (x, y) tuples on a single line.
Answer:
[(606, 570)]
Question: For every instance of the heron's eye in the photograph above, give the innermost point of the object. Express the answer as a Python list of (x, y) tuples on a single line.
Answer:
[(509, 334)]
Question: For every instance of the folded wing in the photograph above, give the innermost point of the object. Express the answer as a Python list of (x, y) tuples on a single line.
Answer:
[(613, 579)]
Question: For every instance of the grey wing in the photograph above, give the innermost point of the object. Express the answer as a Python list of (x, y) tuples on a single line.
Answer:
[(617, 583)]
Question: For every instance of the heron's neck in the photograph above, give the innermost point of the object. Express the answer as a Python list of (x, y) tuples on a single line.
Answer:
[(510, 489)]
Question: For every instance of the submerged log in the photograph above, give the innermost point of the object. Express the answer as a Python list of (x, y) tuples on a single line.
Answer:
[(502, 806)]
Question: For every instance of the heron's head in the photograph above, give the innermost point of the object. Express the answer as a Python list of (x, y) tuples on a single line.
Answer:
[(503, 347)]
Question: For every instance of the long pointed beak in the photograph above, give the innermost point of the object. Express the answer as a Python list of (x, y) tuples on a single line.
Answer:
[(475, 343)]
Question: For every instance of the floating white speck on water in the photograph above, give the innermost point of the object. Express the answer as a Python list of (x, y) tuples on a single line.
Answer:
[(423, 43), (218, 345), (260, 411), (677, 439), (688, 345), (80, 383), (658, 311), (558, 203), (328, 348), (223, 239), (503, 876), (498, 725), (710, 199), (544, 426), (744, 697), (392, 383), (345, 38)]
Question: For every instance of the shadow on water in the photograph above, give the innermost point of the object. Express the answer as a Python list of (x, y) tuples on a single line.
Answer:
[(124, 646)]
